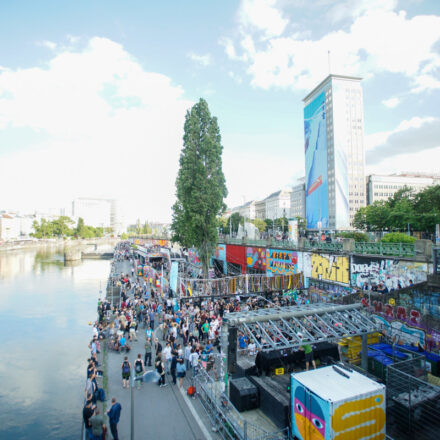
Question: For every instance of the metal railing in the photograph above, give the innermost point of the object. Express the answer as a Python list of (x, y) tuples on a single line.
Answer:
[(380, 248), (224, 417)]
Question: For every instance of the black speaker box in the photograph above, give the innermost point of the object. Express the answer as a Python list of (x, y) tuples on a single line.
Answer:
[(243, 394)]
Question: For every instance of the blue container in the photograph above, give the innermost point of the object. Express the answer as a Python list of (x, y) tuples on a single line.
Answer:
[(380, 346)]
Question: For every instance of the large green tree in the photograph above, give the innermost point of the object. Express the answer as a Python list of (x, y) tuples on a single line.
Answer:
[(200, 184)]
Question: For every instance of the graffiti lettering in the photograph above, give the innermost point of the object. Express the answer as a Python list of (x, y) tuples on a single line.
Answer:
[(330, 267)]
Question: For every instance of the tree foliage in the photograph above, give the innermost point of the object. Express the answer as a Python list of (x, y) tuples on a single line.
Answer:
[(62, 228), (200, 184), (260, 224), (398, 237), (357, 236), (420, 211)]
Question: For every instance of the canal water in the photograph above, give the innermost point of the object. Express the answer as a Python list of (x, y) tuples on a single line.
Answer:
[(45, 310)]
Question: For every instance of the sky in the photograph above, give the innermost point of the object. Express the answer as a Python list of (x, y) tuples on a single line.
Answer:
[(93, 94)]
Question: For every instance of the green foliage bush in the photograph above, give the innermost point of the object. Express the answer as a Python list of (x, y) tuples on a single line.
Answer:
[(398, 237)]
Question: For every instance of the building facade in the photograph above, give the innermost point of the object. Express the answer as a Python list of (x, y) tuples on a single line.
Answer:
[(260, 209), (298, 201), (334, 153), (380, 187), (248, 210), (278, 204)]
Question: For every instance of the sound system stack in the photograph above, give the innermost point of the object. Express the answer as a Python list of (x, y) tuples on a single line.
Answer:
[(243, 394)]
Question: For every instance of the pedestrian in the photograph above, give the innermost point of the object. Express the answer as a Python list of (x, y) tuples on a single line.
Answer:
[(87, 414), (139, 369), (308, 353), (181, 371), (114, 414), (98, 426), (148, 349), (126, 369), (168, 356), (173, 366), (160, 368)]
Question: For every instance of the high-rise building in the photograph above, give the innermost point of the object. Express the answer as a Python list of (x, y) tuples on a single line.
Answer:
[(334, 152), (96, 212)]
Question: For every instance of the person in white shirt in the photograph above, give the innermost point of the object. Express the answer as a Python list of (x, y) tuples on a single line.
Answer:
[(168, 356), (252, 349), (187, 354), (194, 361)]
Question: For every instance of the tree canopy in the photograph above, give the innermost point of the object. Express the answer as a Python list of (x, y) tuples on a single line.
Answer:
[(421, 211), (200, 184), (62, 228)]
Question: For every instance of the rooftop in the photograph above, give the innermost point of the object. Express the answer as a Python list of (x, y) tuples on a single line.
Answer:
[(330, 77)]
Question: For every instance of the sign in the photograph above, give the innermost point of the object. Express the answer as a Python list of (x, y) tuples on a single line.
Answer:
[(173, 276), (293, 230)]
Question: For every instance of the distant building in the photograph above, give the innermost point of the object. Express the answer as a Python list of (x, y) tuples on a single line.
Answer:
[(278, 204), (334, 152), (248, 210), (260, 209), (382, 187), (298, 201), (96, 212), (9, 227)]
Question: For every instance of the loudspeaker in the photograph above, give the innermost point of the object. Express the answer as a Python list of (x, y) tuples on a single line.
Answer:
[(243, 394), (232, 350)]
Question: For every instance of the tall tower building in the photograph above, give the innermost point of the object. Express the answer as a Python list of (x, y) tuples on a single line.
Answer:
[(334, 153)]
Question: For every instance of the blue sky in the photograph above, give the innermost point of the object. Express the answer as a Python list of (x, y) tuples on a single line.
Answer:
[(93, 93)]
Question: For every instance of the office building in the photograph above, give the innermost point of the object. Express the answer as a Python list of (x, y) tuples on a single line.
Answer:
[(381, 187), (260, 209), (334, 153)]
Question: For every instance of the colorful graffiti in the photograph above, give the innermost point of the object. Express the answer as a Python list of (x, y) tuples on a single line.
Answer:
[(330, 268), (256, 258), (193, 257), (326, 292), (393, 274), (220, 252), (281, 262), (404, 324)]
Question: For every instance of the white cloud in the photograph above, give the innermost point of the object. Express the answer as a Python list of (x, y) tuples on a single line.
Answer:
[(237, 78), (414, 144), (49, 44), (262, 15), (379, 39), (204, 60), (111, 128), (391, 102)]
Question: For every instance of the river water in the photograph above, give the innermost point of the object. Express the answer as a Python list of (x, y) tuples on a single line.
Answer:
[(45, 310)]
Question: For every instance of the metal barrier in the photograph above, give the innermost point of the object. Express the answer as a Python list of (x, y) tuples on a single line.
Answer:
[(241, 284), (413, 404), (380, 248), (224, 417)]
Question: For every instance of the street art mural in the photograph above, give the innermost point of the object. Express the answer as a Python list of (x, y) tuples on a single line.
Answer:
[(405, 324), (328, 267), (220, 252), (281, 262), (393, 274), (322, 291), (193, 257), (256, 258)]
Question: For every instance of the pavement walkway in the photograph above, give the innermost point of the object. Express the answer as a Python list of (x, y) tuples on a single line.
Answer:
[(159, 412)]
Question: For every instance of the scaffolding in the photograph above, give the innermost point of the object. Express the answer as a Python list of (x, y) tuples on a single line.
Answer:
[(294, 326)]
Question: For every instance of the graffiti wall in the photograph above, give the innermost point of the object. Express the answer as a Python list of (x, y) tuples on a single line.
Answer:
[(323, 291), (393, 274), (193, 257), (220, 252), (335, 268), (281, 262), (256, 258)]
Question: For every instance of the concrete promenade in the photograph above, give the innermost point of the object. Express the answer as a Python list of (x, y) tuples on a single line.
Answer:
[(159, 412)]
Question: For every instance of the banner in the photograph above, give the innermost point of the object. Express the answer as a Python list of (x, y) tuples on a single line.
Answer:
[(173, 276), (293, 230)]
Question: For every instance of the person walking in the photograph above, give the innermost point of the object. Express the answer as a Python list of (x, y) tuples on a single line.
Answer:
[(148, 350), (126, 370), (98, 426), (139, 369), (173, 366), (160, 368), (114, 414), (181, 371)]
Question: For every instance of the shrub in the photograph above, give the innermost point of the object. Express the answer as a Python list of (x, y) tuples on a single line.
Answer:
[(398, 237)]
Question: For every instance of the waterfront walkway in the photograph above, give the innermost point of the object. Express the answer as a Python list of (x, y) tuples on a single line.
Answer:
[(159, 412)]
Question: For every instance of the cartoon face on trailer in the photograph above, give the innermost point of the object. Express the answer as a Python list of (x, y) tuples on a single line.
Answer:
[(310, 423)]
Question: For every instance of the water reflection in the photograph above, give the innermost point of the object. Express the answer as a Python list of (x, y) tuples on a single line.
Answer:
[(45, 308)]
